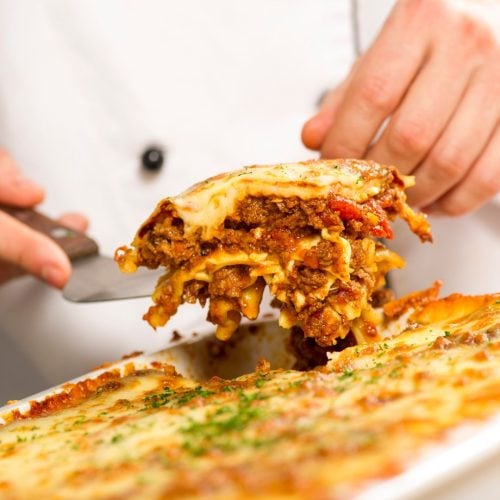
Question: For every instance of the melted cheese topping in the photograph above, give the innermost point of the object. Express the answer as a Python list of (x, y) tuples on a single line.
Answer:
[(273, 434), (207, 204)]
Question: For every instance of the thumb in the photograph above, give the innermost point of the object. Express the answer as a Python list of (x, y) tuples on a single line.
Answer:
[(316, 128), (33, 252), (15, 189)]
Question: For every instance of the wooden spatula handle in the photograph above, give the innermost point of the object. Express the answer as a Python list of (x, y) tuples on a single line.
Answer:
[(74, 243)]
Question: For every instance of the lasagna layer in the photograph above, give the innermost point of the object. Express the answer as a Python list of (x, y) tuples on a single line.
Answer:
[(308, 231)]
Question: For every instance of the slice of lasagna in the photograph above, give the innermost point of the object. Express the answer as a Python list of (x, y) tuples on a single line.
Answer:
[(309, 231)]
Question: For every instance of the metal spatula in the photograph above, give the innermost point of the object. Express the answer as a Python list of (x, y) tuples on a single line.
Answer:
[(95, 277)]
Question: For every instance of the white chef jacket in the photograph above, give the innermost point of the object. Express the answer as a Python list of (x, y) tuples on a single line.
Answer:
[(87, 86)]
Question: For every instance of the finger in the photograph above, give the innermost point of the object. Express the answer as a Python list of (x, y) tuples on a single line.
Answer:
[(15, 189), (425, 111), (33, 252), (19, 191), (315, 129), (458, 148), (480, 184), (72, 220), (378, 84), (7, 163), (75, 221)]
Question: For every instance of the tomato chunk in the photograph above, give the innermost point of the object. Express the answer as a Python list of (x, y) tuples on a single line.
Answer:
[(382, 230), (346, 209)]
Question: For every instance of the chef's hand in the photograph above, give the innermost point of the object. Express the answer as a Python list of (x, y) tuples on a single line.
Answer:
[(434, 73), (21, 248)]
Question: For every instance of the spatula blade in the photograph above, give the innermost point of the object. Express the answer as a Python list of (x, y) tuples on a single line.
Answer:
[(97, 278)]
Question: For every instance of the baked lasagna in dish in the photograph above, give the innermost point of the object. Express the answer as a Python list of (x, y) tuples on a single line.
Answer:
[(309, 231), (370, 413)]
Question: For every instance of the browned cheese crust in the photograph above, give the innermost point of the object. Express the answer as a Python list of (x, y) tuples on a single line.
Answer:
[(308, 231)]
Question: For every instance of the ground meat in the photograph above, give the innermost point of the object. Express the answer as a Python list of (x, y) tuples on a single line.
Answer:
[(357, 253), (236, 239), (289, 213), (307, 279), (334, 213), (283, 240), (165, 244), (275, 227), (328, 253), (324, 254), (195, 290), (230, 281), (323, 324), (253, 212), (347, 292), (285, 222), (316, 211)]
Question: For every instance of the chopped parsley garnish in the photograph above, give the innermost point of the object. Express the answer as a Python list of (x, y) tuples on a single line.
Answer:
[(218, 430), (80, 420), (198, 392), (117, 438), (395, 372), (260, 382), (171, 398), (346, 374), (261, 379), (160, 399)]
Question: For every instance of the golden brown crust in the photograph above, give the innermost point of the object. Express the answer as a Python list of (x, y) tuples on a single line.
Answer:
[(397, 307)]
